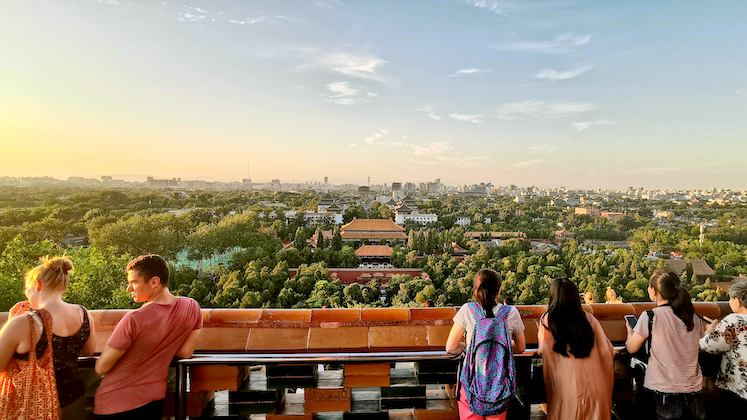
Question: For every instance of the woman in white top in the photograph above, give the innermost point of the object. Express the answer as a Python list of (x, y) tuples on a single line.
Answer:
[(673, 375), (486, 290), (729, 337)]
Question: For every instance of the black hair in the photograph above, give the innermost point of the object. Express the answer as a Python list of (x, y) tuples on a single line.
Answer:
[(487, 292), (567, 322), (669, 287), (149, 266)]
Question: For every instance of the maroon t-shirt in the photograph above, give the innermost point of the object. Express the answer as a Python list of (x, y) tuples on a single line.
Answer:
[(150, 337)]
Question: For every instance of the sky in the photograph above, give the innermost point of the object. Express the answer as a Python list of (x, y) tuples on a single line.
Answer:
[(579, 94)]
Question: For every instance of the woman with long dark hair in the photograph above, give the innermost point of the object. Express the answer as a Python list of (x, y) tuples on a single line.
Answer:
[(486, 290), (577, 358), (673, 375)]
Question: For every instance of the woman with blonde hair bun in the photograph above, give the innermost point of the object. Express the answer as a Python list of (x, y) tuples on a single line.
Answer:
[(72, 334)]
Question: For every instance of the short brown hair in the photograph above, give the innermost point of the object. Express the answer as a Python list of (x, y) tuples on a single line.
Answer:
[(149, 266)]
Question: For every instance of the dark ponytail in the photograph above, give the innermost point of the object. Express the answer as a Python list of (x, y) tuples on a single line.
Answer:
[(668, 285), (487, 291)]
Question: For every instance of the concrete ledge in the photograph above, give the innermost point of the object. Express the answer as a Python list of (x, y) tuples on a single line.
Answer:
[(361, 330)]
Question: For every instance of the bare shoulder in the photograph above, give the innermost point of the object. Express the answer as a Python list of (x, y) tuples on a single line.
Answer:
[(17, 327)]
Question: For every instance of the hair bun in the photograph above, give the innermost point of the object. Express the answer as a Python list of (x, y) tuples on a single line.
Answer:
[(61, 264)]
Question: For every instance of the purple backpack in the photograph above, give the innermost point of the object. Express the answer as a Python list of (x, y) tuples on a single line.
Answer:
[(488, 375)]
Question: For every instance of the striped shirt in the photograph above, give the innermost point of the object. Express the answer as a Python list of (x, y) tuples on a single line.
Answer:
[(673, 366)]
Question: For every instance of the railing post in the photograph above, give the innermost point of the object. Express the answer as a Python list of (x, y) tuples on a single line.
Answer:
[(182, 371)]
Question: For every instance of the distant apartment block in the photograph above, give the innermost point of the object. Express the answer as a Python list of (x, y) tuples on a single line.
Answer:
[(612, 216), (463, 221), (587, 211)]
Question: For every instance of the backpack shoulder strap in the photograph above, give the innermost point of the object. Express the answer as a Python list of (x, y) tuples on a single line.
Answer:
[(503, 312), (650, 313), (476, 310)]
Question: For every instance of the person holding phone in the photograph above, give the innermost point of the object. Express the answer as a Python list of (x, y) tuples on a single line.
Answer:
[(72, 332), (729, 337), (673, 377)]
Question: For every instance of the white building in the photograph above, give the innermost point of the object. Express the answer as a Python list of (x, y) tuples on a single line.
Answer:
[(421, 218), (463, 221)]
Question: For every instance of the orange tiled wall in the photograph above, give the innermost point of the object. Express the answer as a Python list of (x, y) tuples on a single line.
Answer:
[(360, 330)]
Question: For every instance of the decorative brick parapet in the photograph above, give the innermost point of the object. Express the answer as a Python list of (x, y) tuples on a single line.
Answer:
[(361, 330)]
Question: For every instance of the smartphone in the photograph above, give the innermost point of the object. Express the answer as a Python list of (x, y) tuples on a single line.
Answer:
[(632, 320)]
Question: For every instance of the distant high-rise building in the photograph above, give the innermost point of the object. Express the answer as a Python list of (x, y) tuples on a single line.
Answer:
[(326, 180), (396, 186)]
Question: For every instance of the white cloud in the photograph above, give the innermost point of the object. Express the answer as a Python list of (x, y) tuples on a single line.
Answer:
[(250, 21), (467, 118), (527, 164), (469, 71), (342, 88), (360, 66), (489, 6), (581, 126), (289, 18), (554, 75), (561, 44), (429, 111), (374, 139), (539, 109), (420, 149), (352, 144), (346, 94), (341, 100), (741, 91)]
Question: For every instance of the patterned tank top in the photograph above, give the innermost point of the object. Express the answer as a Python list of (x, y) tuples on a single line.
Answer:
[(65, 350)]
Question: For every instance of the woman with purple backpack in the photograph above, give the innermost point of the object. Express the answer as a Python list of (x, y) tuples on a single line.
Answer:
[(476, 315)]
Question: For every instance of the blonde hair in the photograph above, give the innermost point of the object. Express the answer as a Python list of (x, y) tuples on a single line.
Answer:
[(52, 273)]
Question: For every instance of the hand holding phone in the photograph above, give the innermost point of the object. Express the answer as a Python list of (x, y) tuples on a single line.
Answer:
[(631, 320), (19, 308), (710, 325)]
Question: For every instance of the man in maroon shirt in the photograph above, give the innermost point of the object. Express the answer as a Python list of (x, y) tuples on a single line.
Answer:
[(136, 359)]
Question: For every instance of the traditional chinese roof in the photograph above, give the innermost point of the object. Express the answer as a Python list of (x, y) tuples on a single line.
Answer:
[(404, 209), (372, 235), (327, 199), (371, 225), (374, 251), (700, 267), (333, 207)]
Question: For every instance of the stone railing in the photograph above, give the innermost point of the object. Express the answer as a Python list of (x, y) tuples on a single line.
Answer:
[(233, 340), (367, 329)]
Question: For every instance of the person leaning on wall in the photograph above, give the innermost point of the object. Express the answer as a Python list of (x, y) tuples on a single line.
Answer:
[(729, 338), (72, 332), (135, 361), (673, 377), (577, 358)]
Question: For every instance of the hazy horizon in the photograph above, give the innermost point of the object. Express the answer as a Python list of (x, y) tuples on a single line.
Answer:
[(579, 94)]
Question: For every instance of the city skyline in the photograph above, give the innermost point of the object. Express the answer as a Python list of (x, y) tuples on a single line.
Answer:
[(558, 93)]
